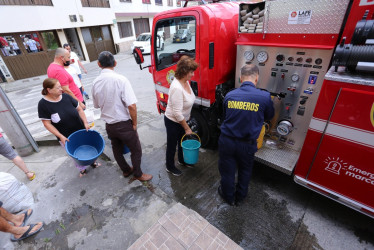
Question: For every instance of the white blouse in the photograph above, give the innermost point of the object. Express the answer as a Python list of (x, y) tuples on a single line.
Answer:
[(180, 102)]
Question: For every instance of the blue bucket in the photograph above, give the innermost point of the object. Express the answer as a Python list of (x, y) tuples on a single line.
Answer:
[(191, 150), (85, 146)]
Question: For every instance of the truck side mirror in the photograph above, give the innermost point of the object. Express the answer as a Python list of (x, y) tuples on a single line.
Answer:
[(138, 55), (139, 59)]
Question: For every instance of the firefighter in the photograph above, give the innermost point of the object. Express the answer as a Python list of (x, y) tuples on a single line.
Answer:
[(245, 110)]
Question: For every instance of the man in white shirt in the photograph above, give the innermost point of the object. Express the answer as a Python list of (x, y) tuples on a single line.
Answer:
[(76, 64), (113, 94), (32, 45), (76, 78)]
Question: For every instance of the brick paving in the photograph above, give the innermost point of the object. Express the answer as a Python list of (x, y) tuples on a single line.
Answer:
[(183, 228)]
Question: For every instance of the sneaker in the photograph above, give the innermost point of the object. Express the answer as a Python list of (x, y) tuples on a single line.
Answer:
[(185, 164), (174, 171)]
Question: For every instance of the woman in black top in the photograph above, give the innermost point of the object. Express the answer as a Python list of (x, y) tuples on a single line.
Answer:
[(61, 114)]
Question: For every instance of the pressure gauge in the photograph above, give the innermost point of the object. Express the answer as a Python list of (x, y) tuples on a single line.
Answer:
[(262, 57), (249, 55), (295, 77)]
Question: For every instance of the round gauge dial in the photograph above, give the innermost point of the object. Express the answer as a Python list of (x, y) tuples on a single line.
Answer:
[(262, 57), (309, 60), (280, 58), (249, 55), (295, 77), (290, 59), (299, 59)]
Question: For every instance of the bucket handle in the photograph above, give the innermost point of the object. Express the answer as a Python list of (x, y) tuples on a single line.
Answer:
[(192, 134)]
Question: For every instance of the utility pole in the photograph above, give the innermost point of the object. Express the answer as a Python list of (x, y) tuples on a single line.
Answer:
[(14, 127)]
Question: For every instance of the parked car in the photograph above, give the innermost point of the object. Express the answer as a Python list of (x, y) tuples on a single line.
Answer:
[(143, 41), (182, 35)]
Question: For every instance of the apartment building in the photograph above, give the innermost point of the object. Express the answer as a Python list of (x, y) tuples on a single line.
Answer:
[(31, 30)]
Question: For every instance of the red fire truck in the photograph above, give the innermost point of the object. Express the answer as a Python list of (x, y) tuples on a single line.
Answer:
[(317, 60)]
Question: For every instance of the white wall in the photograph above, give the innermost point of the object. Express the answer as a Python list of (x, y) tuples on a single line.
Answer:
[(17, 18), (135, 9), (137, 6)]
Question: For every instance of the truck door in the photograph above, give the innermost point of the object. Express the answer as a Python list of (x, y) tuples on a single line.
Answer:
[(179, 35), (344, 162)]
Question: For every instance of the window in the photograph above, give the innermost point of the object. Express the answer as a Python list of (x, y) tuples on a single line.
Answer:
[(170, 2), (96, 3), (9, 46), (106, 32), (31, 42), (176, 37), (141, 25), (96, 34), (50, 40), (86, 35), (26, 2), (146, 1), (158, 2), (124, 29), (179, 4)]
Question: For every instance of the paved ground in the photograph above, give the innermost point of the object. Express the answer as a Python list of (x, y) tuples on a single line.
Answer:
[(106, 211), (103, 210)]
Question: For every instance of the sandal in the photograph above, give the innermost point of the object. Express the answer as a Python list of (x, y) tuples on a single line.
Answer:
[(95, 165), (32, 177), (27, 216), (27, 233), (82, 173)]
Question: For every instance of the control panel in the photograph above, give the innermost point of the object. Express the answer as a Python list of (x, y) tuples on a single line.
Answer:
[(296, 75)]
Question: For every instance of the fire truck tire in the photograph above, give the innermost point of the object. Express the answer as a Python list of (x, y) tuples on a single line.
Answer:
[(199, 125)]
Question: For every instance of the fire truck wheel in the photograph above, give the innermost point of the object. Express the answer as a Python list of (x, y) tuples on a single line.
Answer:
[(199, 125)]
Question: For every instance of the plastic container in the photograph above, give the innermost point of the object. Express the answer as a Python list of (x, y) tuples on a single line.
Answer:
[(191, 150), (126, 150), (90, 117), (260, 138), (85, 146)]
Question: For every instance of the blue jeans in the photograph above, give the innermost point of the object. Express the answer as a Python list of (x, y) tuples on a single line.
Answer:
[(174, 133), (234, 154)]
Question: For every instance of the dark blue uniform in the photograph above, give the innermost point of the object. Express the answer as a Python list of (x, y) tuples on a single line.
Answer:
[(245, 109)]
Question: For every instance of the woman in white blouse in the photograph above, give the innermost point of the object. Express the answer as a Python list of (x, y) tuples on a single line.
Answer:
[(178, 110)]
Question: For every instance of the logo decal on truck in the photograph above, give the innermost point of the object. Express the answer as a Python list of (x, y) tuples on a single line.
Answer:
[(170, 76), (337, 166), (334, 166)]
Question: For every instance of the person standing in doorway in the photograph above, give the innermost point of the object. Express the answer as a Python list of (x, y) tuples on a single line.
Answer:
[(113, 94), (57, 71), (15, 47), (245, 110), (76, 64), (32, 45)]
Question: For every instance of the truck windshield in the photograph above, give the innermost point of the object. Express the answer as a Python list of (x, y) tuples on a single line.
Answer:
[(177, 39)]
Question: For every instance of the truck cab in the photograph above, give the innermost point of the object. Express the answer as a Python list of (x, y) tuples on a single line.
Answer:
[(207, 34)]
